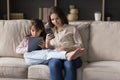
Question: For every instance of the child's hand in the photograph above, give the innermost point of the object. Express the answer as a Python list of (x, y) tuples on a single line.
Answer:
[(42, 44)]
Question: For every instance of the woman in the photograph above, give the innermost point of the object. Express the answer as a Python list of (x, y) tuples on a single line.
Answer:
[(66, 38)]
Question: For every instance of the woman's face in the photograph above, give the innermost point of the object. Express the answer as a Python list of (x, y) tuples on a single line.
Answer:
[(34, 32), (55, 19)]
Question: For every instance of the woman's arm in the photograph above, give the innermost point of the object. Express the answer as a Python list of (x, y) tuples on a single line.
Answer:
[(76, 39), (47, 42), (70, 48)]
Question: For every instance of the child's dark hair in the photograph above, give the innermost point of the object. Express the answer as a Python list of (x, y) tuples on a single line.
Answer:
[(60, 13), (38, 24)]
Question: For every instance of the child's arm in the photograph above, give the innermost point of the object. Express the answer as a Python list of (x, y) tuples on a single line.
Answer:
[(22, 47)]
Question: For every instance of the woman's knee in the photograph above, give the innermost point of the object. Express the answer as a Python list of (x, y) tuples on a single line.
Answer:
[(73, 64), (54, 63), (69, 64)]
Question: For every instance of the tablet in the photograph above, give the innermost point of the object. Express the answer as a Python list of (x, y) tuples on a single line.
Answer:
[(33, 43)]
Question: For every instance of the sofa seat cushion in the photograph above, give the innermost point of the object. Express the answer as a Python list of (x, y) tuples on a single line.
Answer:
[(42, 72), (13, 68), (38, 72), (14, 79), (103, 70)]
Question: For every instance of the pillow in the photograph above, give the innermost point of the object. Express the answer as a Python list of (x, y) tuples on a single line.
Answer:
[(33, 43), (84, 30)]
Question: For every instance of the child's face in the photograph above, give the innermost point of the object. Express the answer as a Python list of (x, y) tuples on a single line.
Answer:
[(34, 32)]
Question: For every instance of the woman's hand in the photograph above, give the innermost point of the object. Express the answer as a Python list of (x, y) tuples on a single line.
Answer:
[(82, 51), (49, 37), (72, 55)]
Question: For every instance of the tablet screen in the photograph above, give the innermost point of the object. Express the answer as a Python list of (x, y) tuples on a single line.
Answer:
[(33, 43)]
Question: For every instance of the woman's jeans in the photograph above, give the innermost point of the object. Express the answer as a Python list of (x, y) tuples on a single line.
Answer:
[(59, 67)]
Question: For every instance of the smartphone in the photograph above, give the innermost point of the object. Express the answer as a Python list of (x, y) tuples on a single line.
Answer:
[(49, 31)]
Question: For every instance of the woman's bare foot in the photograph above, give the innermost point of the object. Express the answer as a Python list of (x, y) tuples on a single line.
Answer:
[(74, 54)]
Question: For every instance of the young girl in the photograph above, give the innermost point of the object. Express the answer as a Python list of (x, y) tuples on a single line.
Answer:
[(36, 30), (42, 56)]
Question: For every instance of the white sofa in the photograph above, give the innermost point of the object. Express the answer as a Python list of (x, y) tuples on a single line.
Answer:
[(101, 61), (102, 43)]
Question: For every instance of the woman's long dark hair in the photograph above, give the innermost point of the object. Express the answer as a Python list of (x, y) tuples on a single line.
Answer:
[(61, 15), (38, 24)]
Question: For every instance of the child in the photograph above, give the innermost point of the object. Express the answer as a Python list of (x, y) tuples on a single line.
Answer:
[(36, 30), (42, 56)]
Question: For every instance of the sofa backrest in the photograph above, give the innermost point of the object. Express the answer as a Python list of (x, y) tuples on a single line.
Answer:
[(11, 34), (104, 41)]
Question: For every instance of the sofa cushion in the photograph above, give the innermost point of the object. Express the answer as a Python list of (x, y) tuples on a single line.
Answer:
[(84, 30), (14, 79), (104, 41), (42, 72), (38, 72), (102, 70), (11, 34), (13, 68)]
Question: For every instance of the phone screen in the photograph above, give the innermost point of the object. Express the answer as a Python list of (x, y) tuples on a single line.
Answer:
[(49, 31)]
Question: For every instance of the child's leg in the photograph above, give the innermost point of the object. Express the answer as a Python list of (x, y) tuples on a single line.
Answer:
[(56, 54), (35, 57), (39, 54), (74, 54)]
